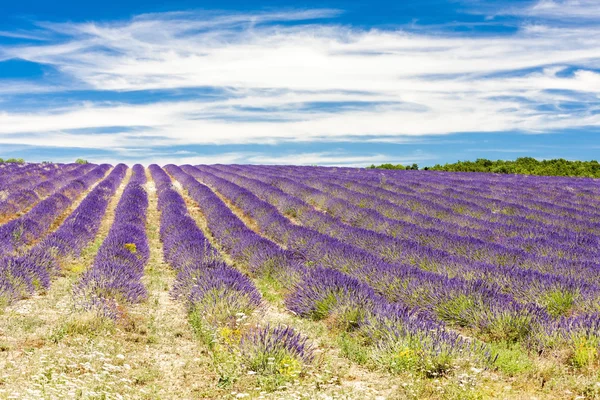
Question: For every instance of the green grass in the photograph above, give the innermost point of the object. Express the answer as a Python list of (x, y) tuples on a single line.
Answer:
[(512, 359)]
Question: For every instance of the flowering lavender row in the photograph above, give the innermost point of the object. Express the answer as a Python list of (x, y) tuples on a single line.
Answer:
[(416, 245), (484, 306), (81, 226), (511, 203), (319, 292), (115, 276), (21, 275), (270, 348), (435, 232), (506, 211), (263, 256), (32, 190), (425, 194), (514, 228), (33, 225), (210, 287), (517, 230), (15, 173), (551, 194), (215, 292), (525, 285), (30, 178)]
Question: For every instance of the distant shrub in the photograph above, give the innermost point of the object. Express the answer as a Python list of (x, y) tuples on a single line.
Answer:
[(81, 161), (522, 165), (386, 166), (396, 166), (12, 160), (527, 166)]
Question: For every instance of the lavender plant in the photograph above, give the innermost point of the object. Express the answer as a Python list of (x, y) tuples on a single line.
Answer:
[(114, 278), (214, 292), (276, 350)]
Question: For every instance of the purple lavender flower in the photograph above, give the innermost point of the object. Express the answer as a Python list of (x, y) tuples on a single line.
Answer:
[(279, 350)]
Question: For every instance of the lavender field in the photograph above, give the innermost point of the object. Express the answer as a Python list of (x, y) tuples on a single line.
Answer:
[(247, 281)]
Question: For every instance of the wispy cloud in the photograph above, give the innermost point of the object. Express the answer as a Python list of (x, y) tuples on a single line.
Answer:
[(561, 12), (22, 35), (561, 9), (291, 76)]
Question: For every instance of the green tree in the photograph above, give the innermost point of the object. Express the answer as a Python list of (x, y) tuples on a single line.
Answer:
[(526, 165), (387, 166)]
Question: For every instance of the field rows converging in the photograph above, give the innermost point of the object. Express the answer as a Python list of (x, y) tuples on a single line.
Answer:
[(296, 282)]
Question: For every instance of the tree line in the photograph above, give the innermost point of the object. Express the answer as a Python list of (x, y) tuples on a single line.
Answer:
[(394, 166), (522, 165)]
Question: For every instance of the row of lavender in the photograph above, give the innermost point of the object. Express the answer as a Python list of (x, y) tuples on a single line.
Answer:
[(504, 306), (32, 226), (318, 290), (27, 191), (219, 297), (115, 277), (441, 211), (11, 173), (527, 284), (21, 275), (384, 217), (532, 213), (204, 280), (389, 259), (436, 183)]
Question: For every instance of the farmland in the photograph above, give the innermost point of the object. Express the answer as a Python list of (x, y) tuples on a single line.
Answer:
[(241, 281)]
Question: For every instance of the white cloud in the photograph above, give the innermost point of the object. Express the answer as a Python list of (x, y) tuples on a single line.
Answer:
[(417, 84), (561, 9), (21, 35), (561, 12)]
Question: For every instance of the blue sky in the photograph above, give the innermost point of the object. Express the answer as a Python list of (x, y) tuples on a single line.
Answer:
[(303, 82)]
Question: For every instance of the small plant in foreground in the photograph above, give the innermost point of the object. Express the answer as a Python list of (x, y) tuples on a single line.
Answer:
[(512, 359), (327, 293), (276, 351), (584, 352), (404, 340), (559, 302)]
